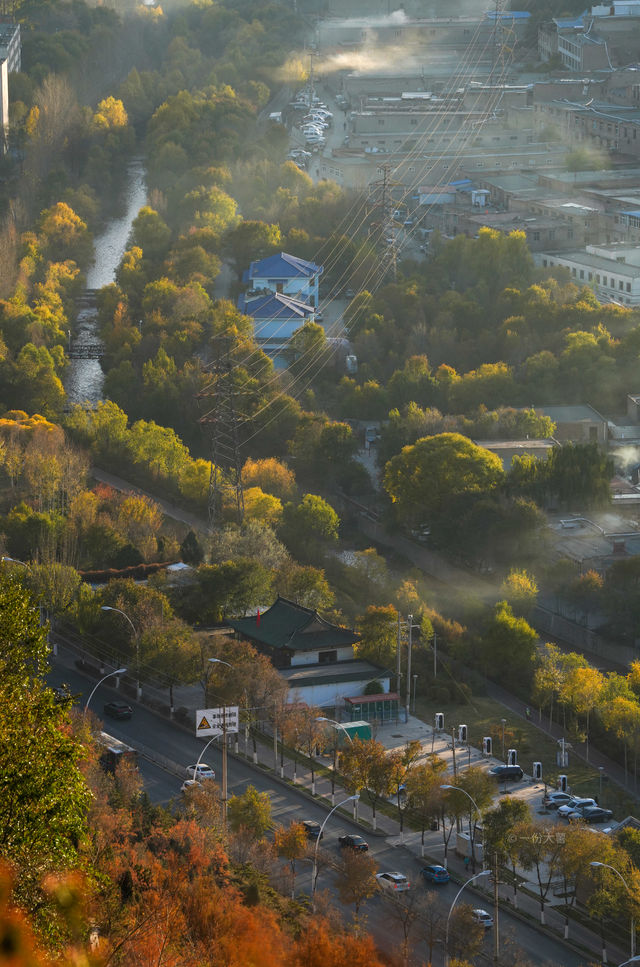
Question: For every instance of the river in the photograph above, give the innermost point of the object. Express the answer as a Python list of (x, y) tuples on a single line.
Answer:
[(84, 377)]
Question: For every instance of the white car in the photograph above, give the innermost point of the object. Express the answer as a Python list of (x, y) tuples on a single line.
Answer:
[(483, 918), (200, 771), (190, 784), (575, 803), (556, 799), (393, 882)]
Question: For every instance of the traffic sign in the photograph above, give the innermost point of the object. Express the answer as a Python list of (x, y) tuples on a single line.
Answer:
[(212, 721)]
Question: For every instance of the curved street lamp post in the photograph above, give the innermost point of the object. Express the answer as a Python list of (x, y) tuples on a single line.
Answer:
[(136, 638), (607, 866), (322, 718), (353, 798), (455, 900), (475, 806), (118, 671)]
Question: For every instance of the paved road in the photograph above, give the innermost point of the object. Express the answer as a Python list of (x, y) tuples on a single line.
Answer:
[(290, 804)]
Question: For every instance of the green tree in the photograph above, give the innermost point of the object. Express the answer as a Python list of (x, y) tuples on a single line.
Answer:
[(44, 797), (310, 525), (250, 811), (424, 478), (507, 647), (378, 629), (521, 591)]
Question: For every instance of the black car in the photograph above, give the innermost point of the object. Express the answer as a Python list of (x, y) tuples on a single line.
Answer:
[(118, 710), (507, 773), (353, 842), (592, 814), (312, 829)]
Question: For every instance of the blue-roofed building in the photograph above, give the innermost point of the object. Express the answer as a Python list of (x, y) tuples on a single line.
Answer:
[(285, 274), (276, 317)]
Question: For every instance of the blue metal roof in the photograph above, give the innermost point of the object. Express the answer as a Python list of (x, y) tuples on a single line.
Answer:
[(509, 14), (282, 266), (636, 213), (275, 306)]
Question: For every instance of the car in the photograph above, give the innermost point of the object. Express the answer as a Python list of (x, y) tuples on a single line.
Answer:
[(575, 803), (554, 799), (483, 918), (312, 829), (189, 784), (354, 842), (349, 293), (435, 874), (507, 773), (117, 710), (394, 882), (200, 771), (590, 814)]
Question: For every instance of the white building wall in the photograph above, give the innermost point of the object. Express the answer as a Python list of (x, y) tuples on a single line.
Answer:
[(328, 696), (311, 657)]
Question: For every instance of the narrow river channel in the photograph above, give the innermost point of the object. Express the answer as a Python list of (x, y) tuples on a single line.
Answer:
[(84, 377)]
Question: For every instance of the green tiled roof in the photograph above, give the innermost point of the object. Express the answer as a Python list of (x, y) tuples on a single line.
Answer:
[(289, 625)]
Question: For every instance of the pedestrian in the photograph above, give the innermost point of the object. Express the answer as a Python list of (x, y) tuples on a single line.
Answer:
[(467, 860), (527, 712)]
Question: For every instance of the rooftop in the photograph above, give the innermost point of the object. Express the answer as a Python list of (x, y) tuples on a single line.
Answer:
[(597, 262), (326, 674), (275, 305), (288, 625), (567, 413), (281, 266)]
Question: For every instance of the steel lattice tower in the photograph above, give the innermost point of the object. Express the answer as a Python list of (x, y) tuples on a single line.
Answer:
[(221, 421)]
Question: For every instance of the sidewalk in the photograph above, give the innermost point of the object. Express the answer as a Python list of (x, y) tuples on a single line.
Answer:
[(388, 828)]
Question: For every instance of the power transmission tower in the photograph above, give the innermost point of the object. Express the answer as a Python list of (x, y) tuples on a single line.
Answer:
[(221, 420), (380, 200)]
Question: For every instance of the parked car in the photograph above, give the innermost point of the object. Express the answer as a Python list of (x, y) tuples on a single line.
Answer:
[(189, 784), (117, 710), (352, 841), (507, 773), (590, 814), (483, 918), (200, 771), (555, 799), (575, 803), (393, 882), (435, 874), (312, 829)]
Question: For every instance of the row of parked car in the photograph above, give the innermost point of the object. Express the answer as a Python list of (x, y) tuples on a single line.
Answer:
[(577, 808)]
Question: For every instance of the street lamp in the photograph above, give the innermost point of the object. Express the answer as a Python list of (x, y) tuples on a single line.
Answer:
[(323, 718), (353, 798), (219, 661), (118, 671), (136, 637), (475, 806), (455, 900), (607, 866)]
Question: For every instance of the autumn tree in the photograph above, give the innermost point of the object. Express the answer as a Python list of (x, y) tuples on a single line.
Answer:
[(291, 843), (378, 629), (358, 880), (423, 792), (366, 764)]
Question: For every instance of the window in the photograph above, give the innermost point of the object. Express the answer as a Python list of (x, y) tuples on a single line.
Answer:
[(604, 280), (544, 262), (598, 278), (327, 657), (569, 233), (536, 236), (380, 122), (573, 272), (628, 287), (413, 121), (582, 273), (593, 434), (621, 285)]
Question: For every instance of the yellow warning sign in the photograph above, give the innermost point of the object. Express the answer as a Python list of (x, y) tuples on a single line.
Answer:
[(204, 724)]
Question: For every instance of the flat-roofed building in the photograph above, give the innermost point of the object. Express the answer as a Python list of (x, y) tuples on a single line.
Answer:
[(613, 274)]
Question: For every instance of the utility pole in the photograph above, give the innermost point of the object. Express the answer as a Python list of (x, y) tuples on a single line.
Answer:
[(496, 925), (435, 654), (408, 701), (222, 418), (381, 201), (224, 766), (453, 750)]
